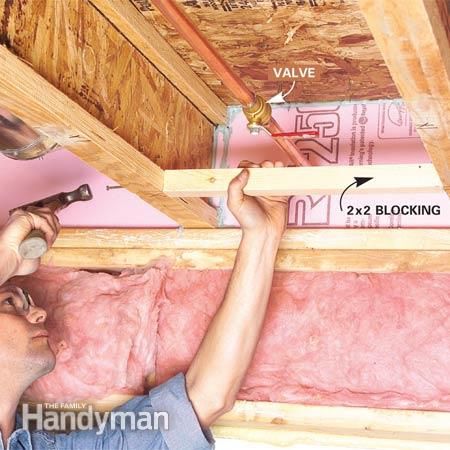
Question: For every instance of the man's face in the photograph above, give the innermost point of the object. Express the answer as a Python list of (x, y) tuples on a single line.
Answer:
[(24, 348)]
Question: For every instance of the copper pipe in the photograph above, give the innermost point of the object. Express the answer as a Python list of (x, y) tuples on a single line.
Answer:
[(287, 145), (201, 45), (188, 30)]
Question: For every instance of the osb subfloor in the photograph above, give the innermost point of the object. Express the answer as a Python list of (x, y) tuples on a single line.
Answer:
[(252, 35)]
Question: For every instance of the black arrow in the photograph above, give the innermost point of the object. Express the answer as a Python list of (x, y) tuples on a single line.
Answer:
[(359, 181)]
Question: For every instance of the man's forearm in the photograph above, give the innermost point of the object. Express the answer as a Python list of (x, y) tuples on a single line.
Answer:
[(227, 350)]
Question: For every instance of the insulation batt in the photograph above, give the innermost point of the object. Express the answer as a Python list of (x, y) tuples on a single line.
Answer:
[(102, 329), (377, 340)]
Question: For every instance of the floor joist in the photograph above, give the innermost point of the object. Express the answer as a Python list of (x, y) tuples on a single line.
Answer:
[(363, 261), (229, 238), (414, 39), (33, 99), (288, 425), (414, 178), (370, 250)]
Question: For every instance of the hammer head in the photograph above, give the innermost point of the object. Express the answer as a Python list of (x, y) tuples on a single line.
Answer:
[(82, 194), (35, 244), (62, 200)]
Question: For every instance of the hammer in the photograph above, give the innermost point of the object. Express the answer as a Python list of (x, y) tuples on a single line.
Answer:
[(35, 245)]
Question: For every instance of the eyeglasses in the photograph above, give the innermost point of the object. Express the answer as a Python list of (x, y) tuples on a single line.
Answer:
[(14, 300)]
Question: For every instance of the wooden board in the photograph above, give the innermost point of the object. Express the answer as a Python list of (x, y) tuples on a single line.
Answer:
[(252, 35), (414, 38), (414, 178), (76, 49), (229, 238), (32, 98), (372, 261), (301, 250), (287, 425)]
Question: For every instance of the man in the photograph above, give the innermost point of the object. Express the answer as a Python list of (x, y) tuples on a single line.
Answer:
[(193, 401)]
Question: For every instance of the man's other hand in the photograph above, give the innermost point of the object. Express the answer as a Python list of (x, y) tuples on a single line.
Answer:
[(260, 214), (19, 225)]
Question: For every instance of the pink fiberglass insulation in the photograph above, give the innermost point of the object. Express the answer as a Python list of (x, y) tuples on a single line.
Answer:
[(191, 300), (378, 340), (102, 328)]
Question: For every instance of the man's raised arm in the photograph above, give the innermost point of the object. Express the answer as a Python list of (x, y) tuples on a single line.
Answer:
[(216, 374)]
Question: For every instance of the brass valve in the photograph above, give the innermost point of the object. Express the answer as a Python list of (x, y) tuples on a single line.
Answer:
[(258, 114)]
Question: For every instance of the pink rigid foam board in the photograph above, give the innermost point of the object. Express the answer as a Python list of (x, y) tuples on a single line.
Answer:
[(25, 181)]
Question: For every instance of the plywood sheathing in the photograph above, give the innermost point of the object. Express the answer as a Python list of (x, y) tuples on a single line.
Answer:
[(254, 34), (132, 24), (77, 50)]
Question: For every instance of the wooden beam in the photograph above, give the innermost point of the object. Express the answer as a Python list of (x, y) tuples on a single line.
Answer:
[(369, 250), (414, 178), (229, 238), (141, 33), (350, 427), (414, 39), (32, 98), (372, 261)]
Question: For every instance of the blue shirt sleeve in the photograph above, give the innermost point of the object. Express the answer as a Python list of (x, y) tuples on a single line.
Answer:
[(182, 433)]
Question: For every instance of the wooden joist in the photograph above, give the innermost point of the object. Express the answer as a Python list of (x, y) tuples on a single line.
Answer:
[(142, 34), (32, 98), (372, 261), (229, 238), (414, 178), (369, 250), (414, 39), (350, 427)]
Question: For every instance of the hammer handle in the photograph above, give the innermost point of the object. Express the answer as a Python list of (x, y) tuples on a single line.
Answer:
[(34, 245)]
